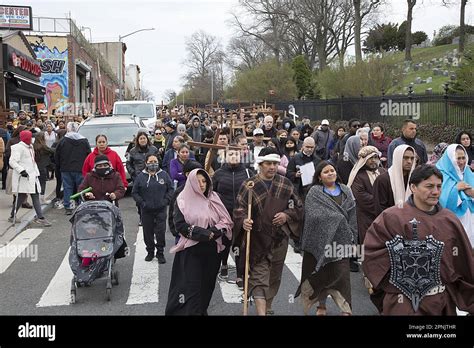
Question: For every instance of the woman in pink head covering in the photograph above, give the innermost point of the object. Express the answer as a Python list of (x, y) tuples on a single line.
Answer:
[(202, 221)]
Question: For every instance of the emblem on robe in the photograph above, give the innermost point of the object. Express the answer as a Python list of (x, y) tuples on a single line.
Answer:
[(415, 265)]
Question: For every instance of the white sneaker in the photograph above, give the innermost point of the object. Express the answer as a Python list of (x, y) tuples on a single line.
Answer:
[(43, 200), (59, 205)]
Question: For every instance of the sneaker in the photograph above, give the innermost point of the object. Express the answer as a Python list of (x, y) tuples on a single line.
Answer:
[(149, 257), (68, 211), (72, 204), (59, 205), (161, 258), (42, 222), (10, 219), (240, 283), (43, 200), (224, 272), (27, 205)]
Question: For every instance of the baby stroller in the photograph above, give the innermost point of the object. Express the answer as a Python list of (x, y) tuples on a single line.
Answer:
[(97, 234)]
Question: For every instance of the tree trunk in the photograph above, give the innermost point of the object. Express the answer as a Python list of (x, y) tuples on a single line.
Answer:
[(408, 37), (357, 31), (321, 49), (462, 27)]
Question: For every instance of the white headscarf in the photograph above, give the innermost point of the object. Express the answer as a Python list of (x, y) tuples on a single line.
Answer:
[(400, 193)]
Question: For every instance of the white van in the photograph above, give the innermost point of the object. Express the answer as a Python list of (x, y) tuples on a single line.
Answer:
[(145, 110)]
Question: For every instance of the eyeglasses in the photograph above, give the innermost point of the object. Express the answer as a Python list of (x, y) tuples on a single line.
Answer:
[(158, 133)]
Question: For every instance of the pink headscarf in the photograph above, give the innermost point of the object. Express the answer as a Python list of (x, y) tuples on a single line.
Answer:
[(202, 211)]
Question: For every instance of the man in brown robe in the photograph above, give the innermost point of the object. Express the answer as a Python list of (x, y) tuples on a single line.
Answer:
[(449, 273), (361, 182), (392, 186), (277, 212)]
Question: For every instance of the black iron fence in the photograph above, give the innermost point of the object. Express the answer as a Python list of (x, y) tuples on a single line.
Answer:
[(436, 109)]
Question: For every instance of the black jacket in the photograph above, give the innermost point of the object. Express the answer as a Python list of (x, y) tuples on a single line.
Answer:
[(136, 159), (152, 192), (227, 181), (300, 159), (71, 153)]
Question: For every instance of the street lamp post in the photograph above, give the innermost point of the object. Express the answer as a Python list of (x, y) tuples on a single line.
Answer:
[(120, 58)]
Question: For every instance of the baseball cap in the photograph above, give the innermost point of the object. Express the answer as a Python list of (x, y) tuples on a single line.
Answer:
[(325, 123), (258, 131)]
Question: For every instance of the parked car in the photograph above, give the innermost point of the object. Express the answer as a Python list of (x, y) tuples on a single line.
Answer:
[(144, 110)]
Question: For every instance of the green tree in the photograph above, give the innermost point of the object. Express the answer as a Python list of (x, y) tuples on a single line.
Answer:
[(255, 84), (368, 77), (381, 38), (302, 76), (465, 74)]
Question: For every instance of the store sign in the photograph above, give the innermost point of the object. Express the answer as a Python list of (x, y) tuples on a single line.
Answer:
[(16, 17), (26, 64)]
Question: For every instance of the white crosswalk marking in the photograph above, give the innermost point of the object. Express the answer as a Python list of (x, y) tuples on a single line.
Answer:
[(230, 291), (294, 262), (58, 291), (145, 278), (19, 245)]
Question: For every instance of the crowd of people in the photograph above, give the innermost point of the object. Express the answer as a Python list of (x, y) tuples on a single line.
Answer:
[(340, 197)]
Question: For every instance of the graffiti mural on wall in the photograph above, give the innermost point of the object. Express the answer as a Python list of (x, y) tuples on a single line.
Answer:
[(53, 56)]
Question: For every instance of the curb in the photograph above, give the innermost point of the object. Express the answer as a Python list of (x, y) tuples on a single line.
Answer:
[(14, 230)]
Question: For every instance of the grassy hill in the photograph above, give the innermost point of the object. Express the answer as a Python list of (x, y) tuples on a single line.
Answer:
[(426, 56)]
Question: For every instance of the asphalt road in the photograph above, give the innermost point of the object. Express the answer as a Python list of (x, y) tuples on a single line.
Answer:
[(40, 285)]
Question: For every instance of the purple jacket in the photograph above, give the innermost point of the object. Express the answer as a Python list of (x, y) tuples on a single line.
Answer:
[(176, 172)]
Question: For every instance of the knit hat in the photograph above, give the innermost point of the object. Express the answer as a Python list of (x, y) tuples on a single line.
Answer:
[(181, 126), (101, 159)]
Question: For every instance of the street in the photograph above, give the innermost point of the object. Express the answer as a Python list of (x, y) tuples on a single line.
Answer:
[(37, 281)]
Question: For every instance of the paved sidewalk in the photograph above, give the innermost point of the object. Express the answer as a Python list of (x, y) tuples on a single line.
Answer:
[(24, 216)]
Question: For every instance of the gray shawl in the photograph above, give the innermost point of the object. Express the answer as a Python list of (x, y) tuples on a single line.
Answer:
[(351, 150), (327, 223)]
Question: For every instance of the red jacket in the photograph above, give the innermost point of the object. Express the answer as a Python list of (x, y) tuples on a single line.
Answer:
[(114, 159)]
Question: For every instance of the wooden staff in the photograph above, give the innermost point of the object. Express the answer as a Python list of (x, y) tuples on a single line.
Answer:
[(250, 186)]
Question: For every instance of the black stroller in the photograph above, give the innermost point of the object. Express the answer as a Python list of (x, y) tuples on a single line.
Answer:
[(97, 234)]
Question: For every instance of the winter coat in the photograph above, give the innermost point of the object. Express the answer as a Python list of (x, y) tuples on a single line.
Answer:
[(23, 158), (115, 162), (43, 157), (152, 192), (382, 144), (227, 181), (71, 153), (102, 185), (324, 141), (300, 159), (136, 159), (2, 152)]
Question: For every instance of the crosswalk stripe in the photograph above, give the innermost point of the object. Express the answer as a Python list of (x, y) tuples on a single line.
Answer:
[(294, 262), (145, 279), (59, 289), (230, 291), (19, 245)]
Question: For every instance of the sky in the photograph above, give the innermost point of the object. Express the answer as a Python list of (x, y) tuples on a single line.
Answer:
[(161, 53)]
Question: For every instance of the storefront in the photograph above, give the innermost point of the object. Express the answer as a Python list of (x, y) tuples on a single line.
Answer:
[(21, 77)]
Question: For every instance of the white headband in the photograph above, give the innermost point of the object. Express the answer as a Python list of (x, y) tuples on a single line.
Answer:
[(268, 158)]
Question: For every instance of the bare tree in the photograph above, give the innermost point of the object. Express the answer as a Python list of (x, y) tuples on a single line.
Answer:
[(245, 52), (269, 22), (408, 37), (169, 96), (204, 51), (342, 30), (362, 8), (462, 23), (146, 94)]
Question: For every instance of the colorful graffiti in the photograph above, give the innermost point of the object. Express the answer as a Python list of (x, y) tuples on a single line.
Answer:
[(54, 72)]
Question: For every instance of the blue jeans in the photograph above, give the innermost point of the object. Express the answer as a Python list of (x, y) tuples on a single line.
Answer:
[(71, 181)]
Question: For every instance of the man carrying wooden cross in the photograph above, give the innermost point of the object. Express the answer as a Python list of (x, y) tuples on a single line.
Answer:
[(276, 212)]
